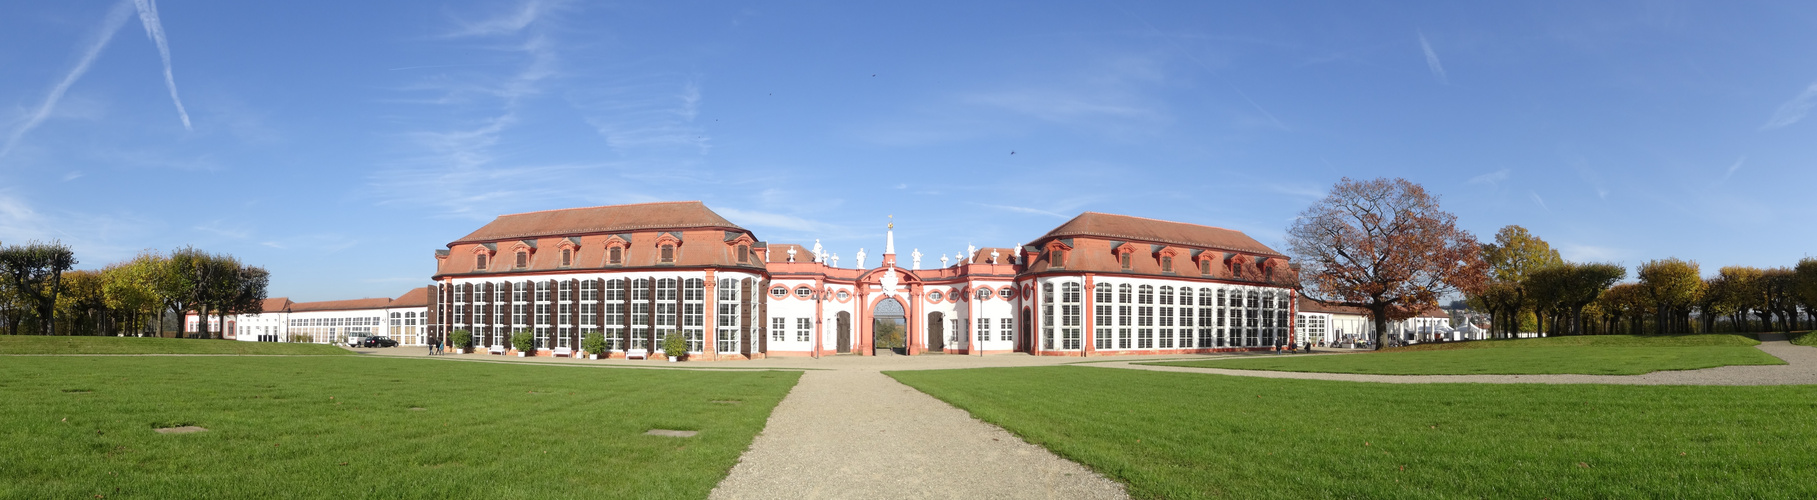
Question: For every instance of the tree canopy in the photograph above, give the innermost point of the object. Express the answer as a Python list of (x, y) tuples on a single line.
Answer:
[(1386, 246)]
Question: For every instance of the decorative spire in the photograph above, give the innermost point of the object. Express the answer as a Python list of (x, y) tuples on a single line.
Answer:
[(889, 245)]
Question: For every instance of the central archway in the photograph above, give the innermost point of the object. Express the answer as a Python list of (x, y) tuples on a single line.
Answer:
[(889, 327)]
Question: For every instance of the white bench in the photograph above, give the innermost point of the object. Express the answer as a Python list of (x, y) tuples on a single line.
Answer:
[(563, 351), (497, 349), (637, 353)]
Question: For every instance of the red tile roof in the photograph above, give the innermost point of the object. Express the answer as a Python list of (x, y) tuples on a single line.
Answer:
[(596, 220), (275, 304), (341, 305), (1124, 227), (416, 297)]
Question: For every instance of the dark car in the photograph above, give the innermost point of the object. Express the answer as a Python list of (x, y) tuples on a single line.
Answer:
[(378, 342)]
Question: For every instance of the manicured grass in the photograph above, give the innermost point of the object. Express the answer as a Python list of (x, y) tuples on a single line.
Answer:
[(1184, 435), (1696, 340), (343, 426), (1802, 338), (1592, 355), (38, 344)]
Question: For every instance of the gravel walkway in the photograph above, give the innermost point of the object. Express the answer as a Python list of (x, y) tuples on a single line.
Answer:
[(857, 433), (1800, 369)]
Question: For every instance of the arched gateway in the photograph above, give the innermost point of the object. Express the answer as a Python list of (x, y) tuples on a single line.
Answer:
[(889, 327)]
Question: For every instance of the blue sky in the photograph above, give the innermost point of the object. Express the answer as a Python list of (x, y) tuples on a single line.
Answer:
[(339, 144)]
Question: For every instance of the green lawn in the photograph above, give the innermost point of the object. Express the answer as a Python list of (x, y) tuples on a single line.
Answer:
[(1802, 338), (37, 344), (345, 426), (1184, 435), (1593, 355)]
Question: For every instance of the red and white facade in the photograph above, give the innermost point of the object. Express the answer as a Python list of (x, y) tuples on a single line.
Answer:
[(1100, 284)]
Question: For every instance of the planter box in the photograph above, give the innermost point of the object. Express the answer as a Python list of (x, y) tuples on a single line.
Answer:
[(520, 354), (592, 356), (673, 359)]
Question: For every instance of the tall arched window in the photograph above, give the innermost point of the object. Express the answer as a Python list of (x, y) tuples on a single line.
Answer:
[(1125, 316), (1186, 325), (1070, 309), (1207, 319), (1164, 335), (1047, 316), (1103, 317), (693, 313), (1145, 317), (666, 310), (640, 314)]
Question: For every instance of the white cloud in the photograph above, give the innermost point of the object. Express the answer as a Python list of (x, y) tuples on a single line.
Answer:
[(105, 33), (1733, 167), (1432, 62), (1793, 110), (1491, 178), (525, 14), (154, 29), (1539, 201)]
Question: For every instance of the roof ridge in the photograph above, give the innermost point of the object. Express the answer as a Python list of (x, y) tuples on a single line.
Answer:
[(602, 206), (1162, 220)]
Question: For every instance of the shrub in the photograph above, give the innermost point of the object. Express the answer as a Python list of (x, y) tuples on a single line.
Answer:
[(462, 338), (674, 345), (523, 341), (595, 343)]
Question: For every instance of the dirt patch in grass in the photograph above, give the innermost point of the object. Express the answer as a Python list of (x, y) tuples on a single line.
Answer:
[(180, 430), (671, 433)]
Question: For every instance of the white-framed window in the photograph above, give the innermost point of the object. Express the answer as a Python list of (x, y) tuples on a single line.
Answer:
[(934, 296), (1047, 316), (1103, 317), (1070, 310), (779, 329), (1006, 292), (984, 294), (1164, 336), (1125, 316), (984, 329), (1207, 316), (1006, 330), (640, 314), (804, 329), (693, 313), (779, 292), (803, 292), (726, 317)]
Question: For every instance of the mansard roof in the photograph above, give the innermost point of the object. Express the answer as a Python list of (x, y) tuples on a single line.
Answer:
[(596, 220), (1124, 227), (275, 304)]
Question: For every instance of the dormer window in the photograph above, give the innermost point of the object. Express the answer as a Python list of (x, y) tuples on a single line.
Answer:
[(567, 257), (1056, 258), (615, 256), (479, 262), (1123, 260), (668, 254), (1167, 264), (523, 259), (1205, 267), (744, 254)]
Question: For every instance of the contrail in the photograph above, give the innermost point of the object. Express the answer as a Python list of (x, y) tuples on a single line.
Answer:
[(148, 14), (115, 18)]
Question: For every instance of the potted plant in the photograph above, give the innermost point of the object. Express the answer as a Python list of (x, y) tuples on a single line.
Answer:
[(523, 341), (463, 341), (594, 344), (674, 346)]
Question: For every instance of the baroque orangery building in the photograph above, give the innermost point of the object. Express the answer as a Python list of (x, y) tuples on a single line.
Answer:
[(1100, 284)]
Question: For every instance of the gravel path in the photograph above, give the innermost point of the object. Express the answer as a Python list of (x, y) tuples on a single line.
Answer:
[(857, 433), (1800, 369)]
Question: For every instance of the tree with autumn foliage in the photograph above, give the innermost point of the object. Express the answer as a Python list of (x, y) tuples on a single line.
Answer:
[(1384, 245), (1672, 286), (1512, 259)]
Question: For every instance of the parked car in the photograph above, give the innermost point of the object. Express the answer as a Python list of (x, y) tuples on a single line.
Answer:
[(379, 342), (355, 341)]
